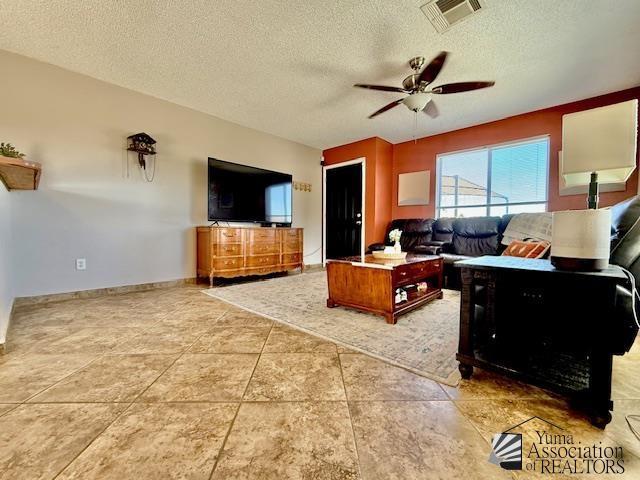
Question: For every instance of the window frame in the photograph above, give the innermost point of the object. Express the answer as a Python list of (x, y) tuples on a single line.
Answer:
[(489, 149)]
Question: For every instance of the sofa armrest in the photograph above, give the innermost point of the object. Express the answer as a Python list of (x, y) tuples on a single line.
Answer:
[(375, 247), (623, 330), (445, 247), (426, 249)]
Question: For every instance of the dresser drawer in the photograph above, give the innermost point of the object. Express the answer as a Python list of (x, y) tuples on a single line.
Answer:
[(231, 263), (263, 235), (263, 260), (229, 235), (291, 258), (292, 246), (227, 249), (263, 248), (292, 233), (263, 270)]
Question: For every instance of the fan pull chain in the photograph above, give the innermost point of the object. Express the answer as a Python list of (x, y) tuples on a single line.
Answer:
[(415, 127)]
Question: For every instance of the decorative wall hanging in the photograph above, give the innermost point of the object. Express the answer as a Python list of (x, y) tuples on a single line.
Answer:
[(413, 188), (143, 145), (303, 187)]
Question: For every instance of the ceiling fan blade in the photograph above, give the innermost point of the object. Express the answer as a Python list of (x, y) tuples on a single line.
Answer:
[(381, 88), (386, 107), (431, 109), (431, 71), (461, 87)]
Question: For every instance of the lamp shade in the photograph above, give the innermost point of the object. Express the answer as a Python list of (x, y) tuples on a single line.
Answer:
[(602, 140), (580, 239)]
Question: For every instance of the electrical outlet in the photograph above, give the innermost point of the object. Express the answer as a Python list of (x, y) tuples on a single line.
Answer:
[(81, 263)]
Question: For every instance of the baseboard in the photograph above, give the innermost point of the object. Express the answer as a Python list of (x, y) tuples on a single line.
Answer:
[(314, 267), (3, 344), (99, 292)]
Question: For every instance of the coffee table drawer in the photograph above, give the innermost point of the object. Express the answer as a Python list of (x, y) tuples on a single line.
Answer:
[(423, 269), (414, 272)]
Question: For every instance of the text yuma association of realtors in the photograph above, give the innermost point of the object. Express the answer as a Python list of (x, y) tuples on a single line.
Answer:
[(561, 454)]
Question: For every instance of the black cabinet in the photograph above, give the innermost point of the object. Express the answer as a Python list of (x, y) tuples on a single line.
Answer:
[(555, 329)]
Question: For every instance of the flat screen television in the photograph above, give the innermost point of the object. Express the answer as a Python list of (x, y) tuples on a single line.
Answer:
[(239, 193)]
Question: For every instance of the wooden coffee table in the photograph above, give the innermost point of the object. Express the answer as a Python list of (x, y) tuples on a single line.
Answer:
[(368, 284)]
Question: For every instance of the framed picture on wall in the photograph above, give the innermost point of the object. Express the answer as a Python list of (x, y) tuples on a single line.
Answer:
[(413, 188)]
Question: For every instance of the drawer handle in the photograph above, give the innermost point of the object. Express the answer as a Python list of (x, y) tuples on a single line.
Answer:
[(404, 274), (228, 234)]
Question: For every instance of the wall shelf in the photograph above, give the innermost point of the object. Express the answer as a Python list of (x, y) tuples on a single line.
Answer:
[(19, 174)]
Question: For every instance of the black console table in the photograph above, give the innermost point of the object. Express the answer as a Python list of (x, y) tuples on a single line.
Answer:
[(555, 329)]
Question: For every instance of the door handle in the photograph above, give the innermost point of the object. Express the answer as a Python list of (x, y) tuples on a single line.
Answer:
[(358, 222)]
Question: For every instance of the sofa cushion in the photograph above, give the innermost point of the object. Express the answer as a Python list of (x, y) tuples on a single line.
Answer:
[(443, 230), (476, 236), (415, 232)]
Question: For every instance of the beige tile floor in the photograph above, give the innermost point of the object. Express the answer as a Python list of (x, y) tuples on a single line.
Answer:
[(171, 383)]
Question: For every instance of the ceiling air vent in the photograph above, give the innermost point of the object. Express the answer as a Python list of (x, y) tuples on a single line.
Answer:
[(445, 13)]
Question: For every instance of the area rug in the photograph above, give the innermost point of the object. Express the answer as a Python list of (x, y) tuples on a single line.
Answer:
[(423, 341)]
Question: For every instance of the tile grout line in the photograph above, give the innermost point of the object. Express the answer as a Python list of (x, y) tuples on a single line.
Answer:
[(356, 349), (353, 431), (128, 407), (100, 356), (79, 369), (233, 420)]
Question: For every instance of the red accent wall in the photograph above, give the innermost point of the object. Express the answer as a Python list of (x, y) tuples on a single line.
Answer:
[(386, 161), (411, 157)]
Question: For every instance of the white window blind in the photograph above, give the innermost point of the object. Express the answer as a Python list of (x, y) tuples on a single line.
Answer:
[(495, 180)]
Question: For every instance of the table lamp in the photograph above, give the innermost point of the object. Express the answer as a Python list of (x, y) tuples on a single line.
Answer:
[(597, 145)]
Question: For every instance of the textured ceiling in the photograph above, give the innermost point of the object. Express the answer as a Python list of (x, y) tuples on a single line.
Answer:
[(286, 67)]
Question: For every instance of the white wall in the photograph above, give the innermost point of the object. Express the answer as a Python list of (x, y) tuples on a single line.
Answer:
[(129, 231), (6, 294)]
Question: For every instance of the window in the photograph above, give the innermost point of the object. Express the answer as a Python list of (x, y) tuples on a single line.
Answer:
[(494, 180)]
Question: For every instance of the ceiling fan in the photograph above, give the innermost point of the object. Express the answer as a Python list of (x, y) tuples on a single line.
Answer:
[(417, 87)]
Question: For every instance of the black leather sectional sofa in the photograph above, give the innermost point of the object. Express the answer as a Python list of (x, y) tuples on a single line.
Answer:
[(461, 238)]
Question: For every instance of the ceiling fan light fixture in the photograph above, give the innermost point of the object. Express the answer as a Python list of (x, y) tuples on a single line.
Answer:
[(416, 102)]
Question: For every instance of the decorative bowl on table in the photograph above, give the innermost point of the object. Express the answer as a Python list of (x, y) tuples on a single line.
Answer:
[(389, 255)]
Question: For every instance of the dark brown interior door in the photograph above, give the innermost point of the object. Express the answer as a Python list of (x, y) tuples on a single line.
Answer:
[(344, 220)]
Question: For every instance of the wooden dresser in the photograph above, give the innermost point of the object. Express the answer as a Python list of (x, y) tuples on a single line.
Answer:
[(235, 252)]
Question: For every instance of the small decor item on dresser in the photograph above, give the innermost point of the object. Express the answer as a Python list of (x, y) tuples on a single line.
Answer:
[(527, 249), (394, 236)]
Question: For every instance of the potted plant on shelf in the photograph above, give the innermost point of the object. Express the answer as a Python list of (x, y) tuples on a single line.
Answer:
[(16, 173), (8, 150)]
